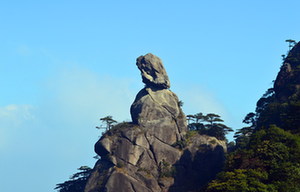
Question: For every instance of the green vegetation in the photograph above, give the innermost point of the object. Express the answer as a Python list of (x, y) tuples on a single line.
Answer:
[(119, 127), (209, 124), (273, 154), (291, 43), (108, 122), (266, 156), (77, 181), (181, 144), (166, 169), (241, 180), (112, 127)]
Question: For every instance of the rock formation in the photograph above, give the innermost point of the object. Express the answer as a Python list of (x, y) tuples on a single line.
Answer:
[(153, 72), (287, 82), (280, 105), (156, 108), (154, 153)]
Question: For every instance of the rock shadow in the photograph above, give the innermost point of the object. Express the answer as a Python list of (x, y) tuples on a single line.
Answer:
[(194, 171)]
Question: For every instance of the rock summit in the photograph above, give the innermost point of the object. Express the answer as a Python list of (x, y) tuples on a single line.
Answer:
[(154, 153), (153, 72)]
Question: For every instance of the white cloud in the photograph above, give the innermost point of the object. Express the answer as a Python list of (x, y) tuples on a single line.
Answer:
[(12, 118), (76, 95), (73, 100), (198, 99), (16, 114)]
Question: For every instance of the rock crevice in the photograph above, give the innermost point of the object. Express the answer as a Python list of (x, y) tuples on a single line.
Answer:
[(142, 155)]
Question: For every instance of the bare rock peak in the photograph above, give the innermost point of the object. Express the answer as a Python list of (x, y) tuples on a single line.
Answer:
[(143, 155), (152, 71)]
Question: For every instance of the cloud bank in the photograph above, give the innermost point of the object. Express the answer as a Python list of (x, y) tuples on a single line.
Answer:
[(13, 117)]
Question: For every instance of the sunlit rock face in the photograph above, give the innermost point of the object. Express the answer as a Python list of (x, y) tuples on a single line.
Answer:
[(152, 71), (153, 153), (155, 107)]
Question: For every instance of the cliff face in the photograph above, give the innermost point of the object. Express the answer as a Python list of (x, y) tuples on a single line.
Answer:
[(267, 154), (282, 107), (154, 152), (287, 82)]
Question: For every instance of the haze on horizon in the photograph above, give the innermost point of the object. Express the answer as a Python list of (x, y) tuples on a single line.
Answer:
[(66, 64)]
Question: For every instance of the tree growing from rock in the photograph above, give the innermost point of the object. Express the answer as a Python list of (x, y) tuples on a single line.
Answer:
[(242, 136), (209, 124), (108, 122), (291, 43), (269, 160), (77, 181)]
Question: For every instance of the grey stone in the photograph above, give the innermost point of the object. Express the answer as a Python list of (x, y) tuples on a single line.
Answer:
[(138, 166), (121, 182), (142, 156), (164, 152), (159, 113), (127, 151), (152, 71)]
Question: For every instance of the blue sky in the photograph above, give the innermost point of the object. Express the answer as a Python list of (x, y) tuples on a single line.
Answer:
[(65, 64)]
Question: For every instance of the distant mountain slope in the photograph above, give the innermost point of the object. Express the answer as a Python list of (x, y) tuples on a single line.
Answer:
[(267, 155)]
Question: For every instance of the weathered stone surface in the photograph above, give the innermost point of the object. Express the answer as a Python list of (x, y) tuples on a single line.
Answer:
[(122, 182), (202, 159), (164, 152), (99, 176), (143, 156), (155, 166), (152, 71), (128, 152), (159, 113)]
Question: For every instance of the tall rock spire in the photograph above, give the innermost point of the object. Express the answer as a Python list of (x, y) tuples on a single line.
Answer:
[(152, 153), (152, 71), (155, 107)]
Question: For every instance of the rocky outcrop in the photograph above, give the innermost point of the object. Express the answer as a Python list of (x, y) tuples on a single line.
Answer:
[(287, 82), (280, 105), (158, 111), (152, 71), (154, 153)]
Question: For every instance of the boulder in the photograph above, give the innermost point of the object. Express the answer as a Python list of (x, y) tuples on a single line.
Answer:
[(152, 71)]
